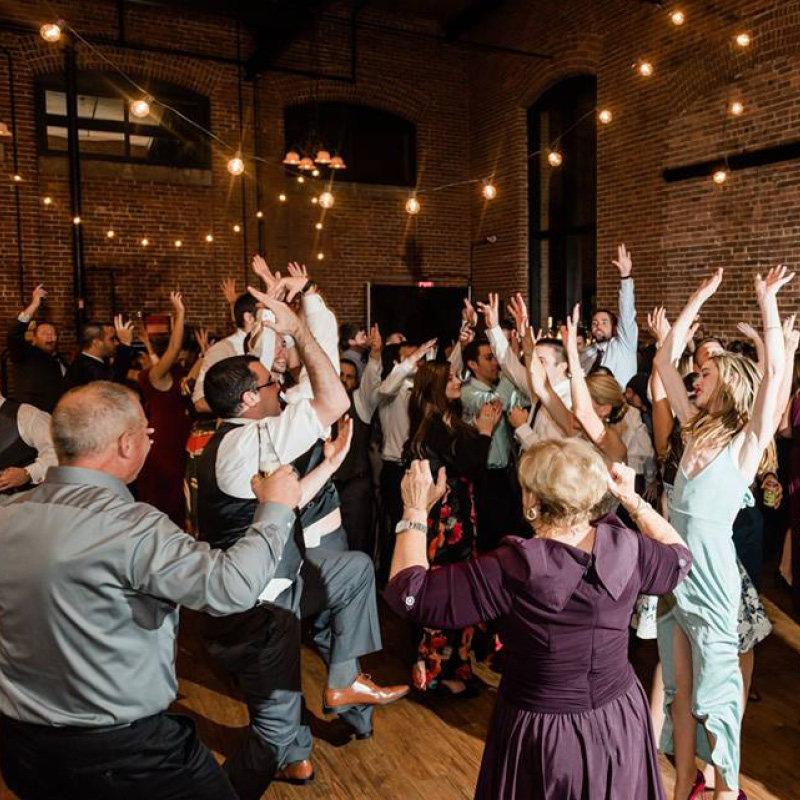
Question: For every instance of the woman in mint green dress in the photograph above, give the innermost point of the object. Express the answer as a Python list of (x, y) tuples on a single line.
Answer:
[(725, 443)]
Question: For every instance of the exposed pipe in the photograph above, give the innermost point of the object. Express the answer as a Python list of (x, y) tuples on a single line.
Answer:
[(256, 139), (241, 142)]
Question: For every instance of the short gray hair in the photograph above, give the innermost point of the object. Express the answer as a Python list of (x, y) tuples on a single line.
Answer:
[(89, 418)]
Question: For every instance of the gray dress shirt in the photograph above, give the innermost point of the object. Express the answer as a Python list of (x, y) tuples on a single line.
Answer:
[(90, 583)]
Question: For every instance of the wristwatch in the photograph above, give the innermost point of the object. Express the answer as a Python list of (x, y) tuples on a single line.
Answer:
[(309, 284), (408, 525)]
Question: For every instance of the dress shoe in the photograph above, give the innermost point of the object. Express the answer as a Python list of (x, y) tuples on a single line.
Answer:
[(362, 691), (298, 773)]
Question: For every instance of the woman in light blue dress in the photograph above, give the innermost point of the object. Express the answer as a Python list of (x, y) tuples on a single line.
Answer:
[(725, 443)]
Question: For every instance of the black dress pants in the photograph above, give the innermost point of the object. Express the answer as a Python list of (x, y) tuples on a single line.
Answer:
[(156, 758)]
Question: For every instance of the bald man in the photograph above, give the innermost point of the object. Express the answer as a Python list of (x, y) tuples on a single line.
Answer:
[(90, 584)]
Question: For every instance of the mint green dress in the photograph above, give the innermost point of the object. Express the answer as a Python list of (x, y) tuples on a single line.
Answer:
[(707, 603)]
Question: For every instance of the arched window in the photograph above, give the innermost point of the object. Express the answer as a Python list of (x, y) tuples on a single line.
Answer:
[(562, 200), (378, 147), (108, 132)]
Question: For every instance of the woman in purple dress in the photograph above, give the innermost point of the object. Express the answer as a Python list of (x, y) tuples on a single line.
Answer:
[(572, 721)]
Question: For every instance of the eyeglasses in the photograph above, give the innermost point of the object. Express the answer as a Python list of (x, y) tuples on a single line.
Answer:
[(270, 382)]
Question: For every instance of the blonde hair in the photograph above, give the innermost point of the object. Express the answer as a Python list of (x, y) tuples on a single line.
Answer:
[(730, 407), (605, 390), (568, 476)]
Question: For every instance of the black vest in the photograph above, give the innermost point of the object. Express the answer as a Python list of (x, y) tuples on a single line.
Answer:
[(356, 463), (327, 498), (14, 452)]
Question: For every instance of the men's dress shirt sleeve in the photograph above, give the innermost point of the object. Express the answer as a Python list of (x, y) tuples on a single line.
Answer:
[(34, 428), (627, 329), (17, 346), (510, 365), (366, 397), (167, 563), (394, 380), (457, 359), (525, 436)]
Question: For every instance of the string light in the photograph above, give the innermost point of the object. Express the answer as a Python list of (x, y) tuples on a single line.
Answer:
[(110, 234), (315, 173), (737, 108), (259, 215), (314, 200), (301, 179), (412, 205), (318, 226), (145, 242), (282, 198), (140, 108), (18, 179), (178, 243), (51, 31), (76, 220), (555, 159), (326, 200), (605, 116), (236, 166), (644, 68), (720, 176), (47, 201), (677, 18), (743, 39), (320, 256), (209, 238), (489, 191), (237, 228)]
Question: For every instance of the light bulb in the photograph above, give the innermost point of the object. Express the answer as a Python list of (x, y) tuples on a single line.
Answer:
[(178, 243), (110, 234), (743, 39), (18, 179), (76, 220), (320, 256), (50, 32), (282, 198), (489, 191), (677, 17), (605, 116), (301, 179), (139, 108), (326, 200), (645, 69), (236, 166), (259, 215), (47, 200), (209, 237), (237, 228), (314, 200), (720, 176), (318, 226), (412, 205), (145, 242), (555, 158), (737, 108), (315, 173)]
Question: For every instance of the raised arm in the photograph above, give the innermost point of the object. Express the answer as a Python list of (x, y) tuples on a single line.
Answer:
[(158, 372), (539, 387), (17, 346), (627, 329), (674, 344), (791, 338), (752, 334), (394, 380), (757, 434), (366, 398)]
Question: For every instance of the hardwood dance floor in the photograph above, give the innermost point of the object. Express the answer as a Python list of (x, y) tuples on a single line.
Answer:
[(431, 747)]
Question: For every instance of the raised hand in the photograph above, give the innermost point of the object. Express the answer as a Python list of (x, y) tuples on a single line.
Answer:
[(263, 271), (791, 337), (176, 298), (519, 311), (623, 261), (529, 339), (286, 321), (621, 480), (569, 333), (776, 279), (658, 324), (335, 450), (710, 285), (124, 330), (468, 314), (375, 342), (297, 270), (488, 417), (228, 288), (491, 310), (422, 351), (201, 337), (39, 294), (466, 334), (418, 490)]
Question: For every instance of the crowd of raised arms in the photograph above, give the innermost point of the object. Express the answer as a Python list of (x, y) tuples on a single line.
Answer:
[(532, 501)]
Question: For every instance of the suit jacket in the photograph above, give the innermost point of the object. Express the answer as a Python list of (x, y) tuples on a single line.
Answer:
[(85, 369), (39, 375)]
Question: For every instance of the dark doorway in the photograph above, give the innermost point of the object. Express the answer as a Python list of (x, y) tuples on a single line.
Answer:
[(562, 201)]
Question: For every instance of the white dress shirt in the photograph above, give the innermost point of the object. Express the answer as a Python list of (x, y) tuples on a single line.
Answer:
[(366, 397), (541, 425), (641, 454), (232, 345), (34, 430), (394, 394)]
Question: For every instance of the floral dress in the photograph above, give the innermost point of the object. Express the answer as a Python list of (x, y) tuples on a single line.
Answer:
[(451, 539)]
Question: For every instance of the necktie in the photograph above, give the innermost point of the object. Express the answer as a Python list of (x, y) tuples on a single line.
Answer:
[(598, 361)]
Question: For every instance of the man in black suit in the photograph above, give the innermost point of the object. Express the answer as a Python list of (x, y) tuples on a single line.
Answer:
[(39, 369), (99, 344)]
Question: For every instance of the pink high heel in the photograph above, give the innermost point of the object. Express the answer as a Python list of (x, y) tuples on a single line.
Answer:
[(699, 787)]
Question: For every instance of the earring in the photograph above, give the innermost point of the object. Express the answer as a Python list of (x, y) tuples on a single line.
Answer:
[(532, 514)]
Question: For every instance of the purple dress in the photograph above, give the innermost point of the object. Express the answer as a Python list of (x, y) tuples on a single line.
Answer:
[(572, 721)]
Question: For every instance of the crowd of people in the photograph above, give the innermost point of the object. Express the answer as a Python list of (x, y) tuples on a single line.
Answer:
[(531, 500)]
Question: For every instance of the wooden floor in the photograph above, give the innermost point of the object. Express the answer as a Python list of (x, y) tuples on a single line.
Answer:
[(430, 747)]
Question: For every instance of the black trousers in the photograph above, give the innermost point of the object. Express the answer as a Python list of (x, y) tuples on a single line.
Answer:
[(156, 758), (498, 507), (358, 512)]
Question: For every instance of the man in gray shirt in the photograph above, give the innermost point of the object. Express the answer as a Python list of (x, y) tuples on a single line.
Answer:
[(90, 584)]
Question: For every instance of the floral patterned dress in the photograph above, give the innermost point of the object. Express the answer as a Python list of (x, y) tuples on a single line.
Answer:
[(451, 539)]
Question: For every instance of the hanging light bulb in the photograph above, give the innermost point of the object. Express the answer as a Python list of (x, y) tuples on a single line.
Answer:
[(237, 228), (17, 178), (282, 198), (51, 31), (315, 173), (209, 238), (145, 242), (326, 200), (737, 108), (555, 159), (236, 166), (178, 243), (644, 68), (318, 226), (743, 39), (605, 116), (47, 201), (306, 164), (76, 220), (320, 256), (301, 179), (314, 200), (489, 191), (412, 205), (140, 108), (322, 157), (5, 133), (292, 158), (110, 234), (677, 17), (259, 215), (337, 162), (720, 176)]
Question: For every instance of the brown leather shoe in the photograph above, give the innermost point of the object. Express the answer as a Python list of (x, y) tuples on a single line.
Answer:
[(362, 691), (298, 773)]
